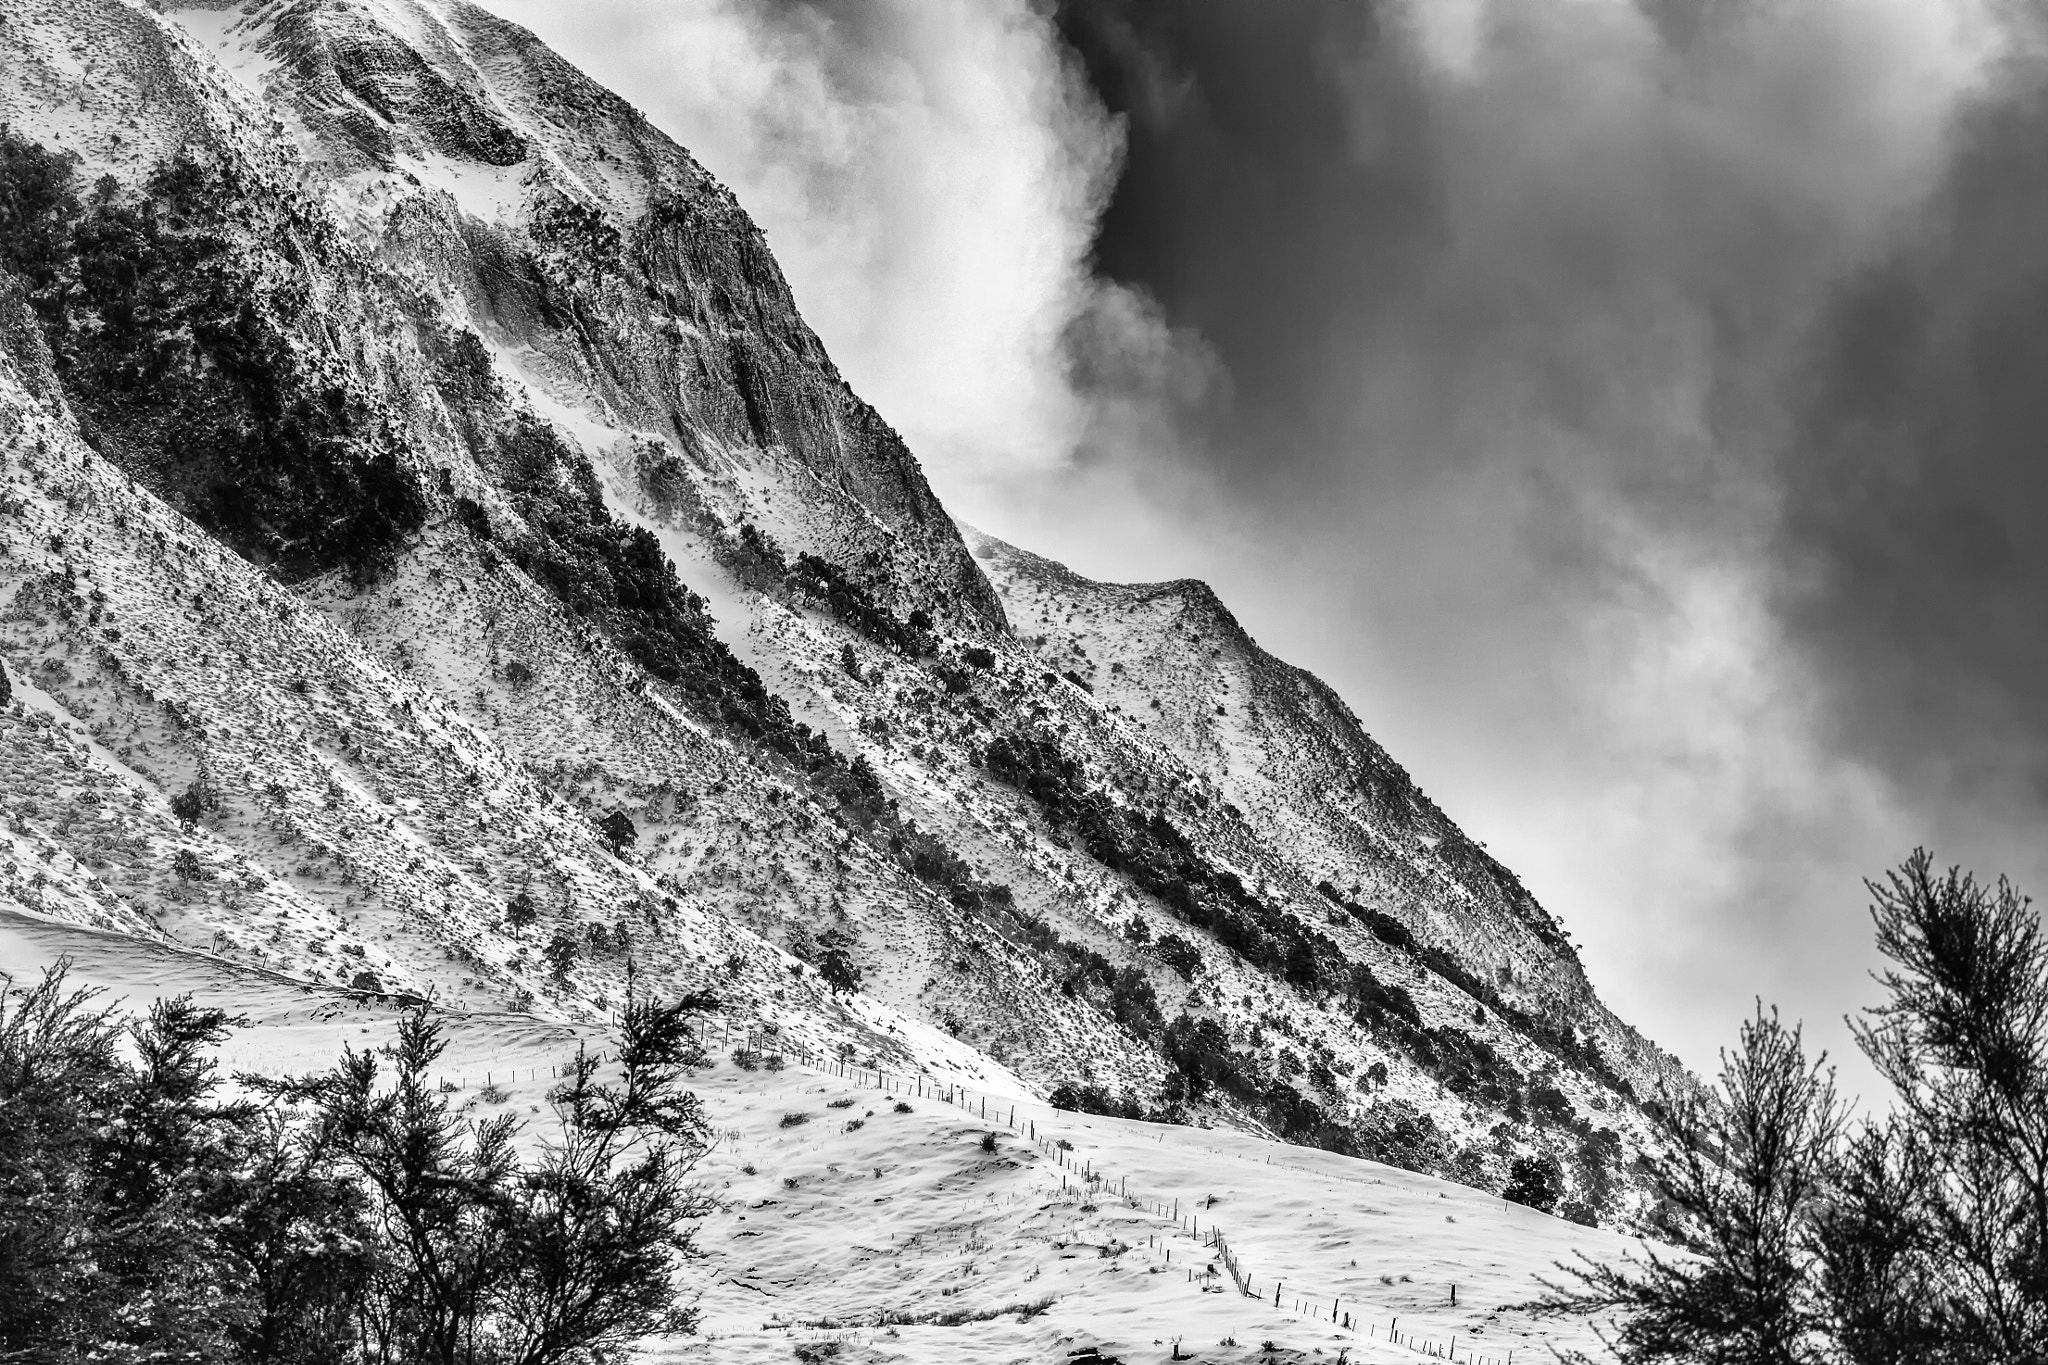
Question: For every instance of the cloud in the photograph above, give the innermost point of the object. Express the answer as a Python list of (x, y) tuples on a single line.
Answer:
[(929, 173), (1519, 302)]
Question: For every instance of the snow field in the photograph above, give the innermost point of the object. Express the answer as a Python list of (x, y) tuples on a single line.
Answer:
[(898, 1237)]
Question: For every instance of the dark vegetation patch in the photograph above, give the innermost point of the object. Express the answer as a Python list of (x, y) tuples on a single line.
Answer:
[(1160, 860), (1554, 1036), (829, 585), (178, 354)]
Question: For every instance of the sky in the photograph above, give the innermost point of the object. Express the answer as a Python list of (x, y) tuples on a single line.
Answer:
[(1630, 406)]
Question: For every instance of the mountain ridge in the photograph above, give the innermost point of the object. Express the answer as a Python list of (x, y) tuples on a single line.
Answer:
[(489, 485)]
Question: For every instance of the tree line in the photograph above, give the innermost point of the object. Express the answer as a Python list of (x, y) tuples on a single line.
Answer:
[(351, 1216), (1920, 1235)]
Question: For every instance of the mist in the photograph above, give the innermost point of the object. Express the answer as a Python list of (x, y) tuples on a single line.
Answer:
[(1629, 407)]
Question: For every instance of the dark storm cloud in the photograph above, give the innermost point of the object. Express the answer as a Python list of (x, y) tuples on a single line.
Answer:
[(1248, 202), (1917, 478), (1650, 397)]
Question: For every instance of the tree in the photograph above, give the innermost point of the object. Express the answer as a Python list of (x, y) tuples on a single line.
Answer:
[(119, 1180), (1749, 1167), (837, 967), (601, 1225), (192, 803), (1960, 1199), (561, 952), (1535, 1182), (355, 1219), (1879, 1276), (616, 829), (476, 1258), (1922, 1236), (521, 913)]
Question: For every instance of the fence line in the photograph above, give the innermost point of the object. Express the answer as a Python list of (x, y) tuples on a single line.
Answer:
[(755, 1038), (1089, 1179)]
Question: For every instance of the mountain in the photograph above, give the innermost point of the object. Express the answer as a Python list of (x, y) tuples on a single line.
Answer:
[(439, 560)]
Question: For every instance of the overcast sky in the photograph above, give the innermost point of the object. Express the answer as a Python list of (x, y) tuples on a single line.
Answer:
[(1637, 409)]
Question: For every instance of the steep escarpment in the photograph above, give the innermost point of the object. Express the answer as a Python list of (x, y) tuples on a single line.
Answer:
[(439, 554)]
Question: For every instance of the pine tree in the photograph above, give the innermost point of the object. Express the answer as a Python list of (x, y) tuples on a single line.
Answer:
[(1749, 1166)]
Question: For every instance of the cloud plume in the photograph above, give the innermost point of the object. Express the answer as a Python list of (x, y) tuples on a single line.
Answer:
[(929, 173)]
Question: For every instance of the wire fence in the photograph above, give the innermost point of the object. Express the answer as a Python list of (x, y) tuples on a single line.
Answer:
[(1090, 1181)]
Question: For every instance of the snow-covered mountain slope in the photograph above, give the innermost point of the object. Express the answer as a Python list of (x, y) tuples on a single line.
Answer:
[(1286, 752), (437, 553), (890, 1231)]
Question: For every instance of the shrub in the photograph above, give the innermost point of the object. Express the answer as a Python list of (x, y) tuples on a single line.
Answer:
[(1535, 1182), (561, 952), (326, 1210), (617, 831), (794, 1119), (1182, 956), (988, 1143), (836, 967), (1093, 1099), (903, 1106), (843, 1102)]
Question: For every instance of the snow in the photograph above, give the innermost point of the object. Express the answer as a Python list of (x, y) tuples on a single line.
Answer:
[(844, 1226)]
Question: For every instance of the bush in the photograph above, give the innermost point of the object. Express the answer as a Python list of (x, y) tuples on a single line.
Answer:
[(1093, 1099), (1182, 956), (616, 829), (903, 1106), (148, 1220), (793, 1119), (521, 913), (988, 1144), (561, 952), (1160, 861), (1535, 1182)]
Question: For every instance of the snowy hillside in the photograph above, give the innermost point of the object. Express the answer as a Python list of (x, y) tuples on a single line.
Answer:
[(439, 560), (860, 1207)]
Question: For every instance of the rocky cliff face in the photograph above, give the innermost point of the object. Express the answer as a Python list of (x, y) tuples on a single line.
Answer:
[(440, 558)]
